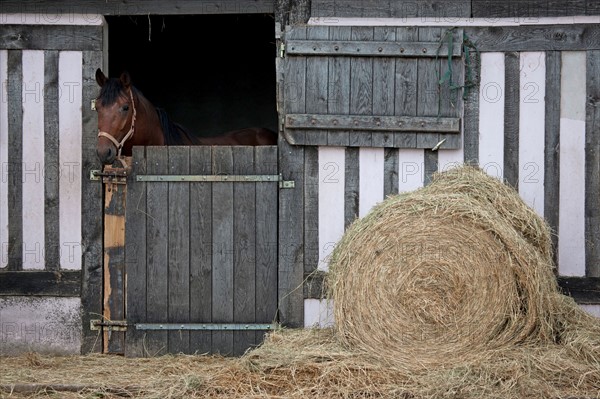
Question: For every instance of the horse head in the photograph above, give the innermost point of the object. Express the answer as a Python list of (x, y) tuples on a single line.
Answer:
[(116, 115)]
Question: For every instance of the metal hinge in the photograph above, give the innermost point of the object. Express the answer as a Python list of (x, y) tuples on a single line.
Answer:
[(281, 50), (108, 325)]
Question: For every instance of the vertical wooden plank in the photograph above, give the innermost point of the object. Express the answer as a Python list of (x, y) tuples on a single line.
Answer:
[(390, 171), (491, 114), (451, 104), (294, 84), (430, 163), (428, 101), (405, 102), (351, 183), (410, 161), (179, 249), (370, 179), (135, 254), (531, 120), (200, 249), (471, 113), (361, 86), (91, 203), (571, 204), (311, 209), (70, 157), (331, 200), (512, 105), (244, 248), (291, 208), (157, 247), (316, 85), (428, 89), (115, 196), (265, 158), (552, 146), (222, 258), (592, 165), (33, 159), (383, 85), (51, 160), (338, 93), (15, 160), (412, 169), (3, 158)]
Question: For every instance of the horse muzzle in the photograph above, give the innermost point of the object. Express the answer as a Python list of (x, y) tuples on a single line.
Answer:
[(106, 154)]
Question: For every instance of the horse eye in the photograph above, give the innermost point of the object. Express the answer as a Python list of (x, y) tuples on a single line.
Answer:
[(125, 107)]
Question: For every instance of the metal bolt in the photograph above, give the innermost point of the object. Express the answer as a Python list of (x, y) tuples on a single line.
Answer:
[(336, 48), (335, 122), (401, 49), (380, 49), (424, 50)]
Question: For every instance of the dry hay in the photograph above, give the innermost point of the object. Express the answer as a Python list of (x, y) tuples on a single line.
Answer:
[(448, 291), (450, 273), (303, 364)]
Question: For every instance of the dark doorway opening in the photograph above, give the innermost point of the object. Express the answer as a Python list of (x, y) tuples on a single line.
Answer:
[(211, 73)]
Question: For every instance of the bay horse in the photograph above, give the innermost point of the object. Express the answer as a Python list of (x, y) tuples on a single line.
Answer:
[(126, 118)]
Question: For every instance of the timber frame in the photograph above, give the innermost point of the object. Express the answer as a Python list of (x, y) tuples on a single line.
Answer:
[(296, 251)]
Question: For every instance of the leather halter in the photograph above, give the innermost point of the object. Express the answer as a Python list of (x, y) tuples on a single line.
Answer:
[(119, 145)]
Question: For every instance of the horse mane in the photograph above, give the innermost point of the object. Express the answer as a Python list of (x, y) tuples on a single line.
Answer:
[(111, 90), (173, 132)]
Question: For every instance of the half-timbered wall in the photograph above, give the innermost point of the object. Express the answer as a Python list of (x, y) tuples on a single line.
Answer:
[(50, 212), (531, 121)]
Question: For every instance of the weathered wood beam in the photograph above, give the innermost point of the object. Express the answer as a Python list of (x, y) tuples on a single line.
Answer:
[(41, 283), (536, 37), (50, 37), (533, 8), (373, 48), (50, 9), (373, 123)]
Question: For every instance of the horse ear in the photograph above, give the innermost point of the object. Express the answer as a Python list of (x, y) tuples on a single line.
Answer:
[(125, 79), (100, 77)]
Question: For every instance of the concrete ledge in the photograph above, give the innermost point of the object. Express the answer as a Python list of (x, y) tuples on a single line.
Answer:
[(50, 325)]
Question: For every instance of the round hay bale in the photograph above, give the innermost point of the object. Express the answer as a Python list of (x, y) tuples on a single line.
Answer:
[(445, 274)]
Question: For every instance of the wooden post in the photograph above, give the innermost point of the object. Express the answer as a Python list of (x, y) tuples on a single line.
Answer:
[(114, 272)]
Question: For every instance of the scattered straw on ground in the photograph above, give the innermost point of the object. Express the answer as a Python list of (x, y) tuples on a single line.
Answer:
[(445, 292)]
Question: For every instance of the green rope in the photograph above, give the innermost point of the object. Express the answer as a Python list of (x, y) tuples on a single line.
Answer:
[(446, 78)]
